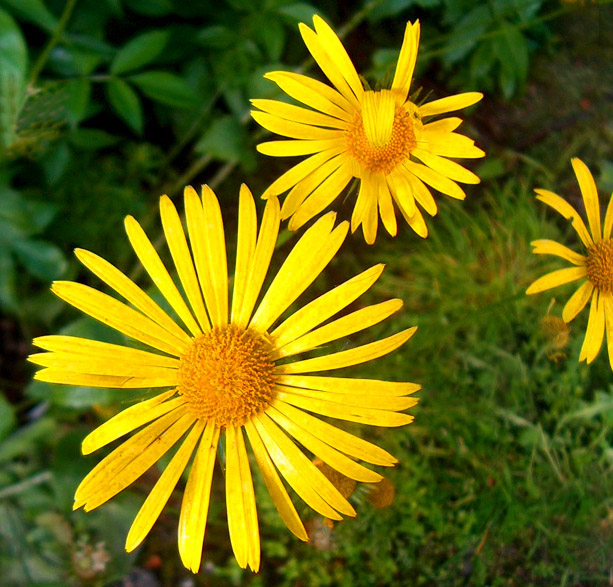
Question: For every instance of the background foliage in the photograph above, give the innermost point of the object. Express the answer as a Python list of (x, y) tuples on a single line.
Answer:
[(505, 478)]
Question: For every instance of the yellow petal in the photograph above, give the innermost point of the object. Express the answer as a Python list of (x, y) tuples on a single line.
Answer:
[(345, 326), (378, 110), (340, 411), (299, 114), (361, 400), (305, 262), (349, 385), (304, 477), (608, 309), (561, 206), (126, 320), (418, 224), (354, 356), (386, 208), (300, 171), (334, 48), (442, 127), (435, 179), (370, 221), (293, 130), (450, 144), (348, 443), (275, 487), (162, 490), (130, 419), (313, 93), (450, 103), (177, 244), (305, 187), (422, 194), (245, 247), (595, 329), (152, 263), (556, 278), (216, 253), (402, 192), (325, 306), (104, 381), (125, 287), (590, 196), (549, 247), (577, 301), (325, 452), (103, 350), (448, 168), (265, 245), (318, 48), (322, 196), (608, 220), (367, 191), (128, 462), (195, 505), (406, 60)]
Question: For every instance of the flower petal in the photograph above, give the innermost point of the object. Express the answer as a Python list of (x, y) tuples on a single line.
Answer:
[(577, 301), (450, 103), (162, 490), (448, 168), (294, 148), (590, 196), (273, 483), (435, 179), (349, 385), (353, 356), (406, 60), (292, 129), (561, 206), (299, 114), (556, 278), (195, 505), (549, 247), (595, 329), (386, 208)]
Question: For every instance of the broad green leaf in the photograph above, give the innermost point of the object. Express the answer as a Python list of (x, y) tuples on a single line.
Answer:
[(78, 93), (226, 139), (126, 103), (92, 139), (298, 12), (33, 11), (512, 52), (270, 34), (216, 36), (13, 66), (150, 7), (139, 51), (7, 417), (28, 217), (43, 259), (165, 87), (388, 9)]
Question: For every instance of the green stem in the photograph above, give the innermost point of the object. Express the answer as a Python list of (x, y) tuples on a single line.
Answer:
[(55, 37)]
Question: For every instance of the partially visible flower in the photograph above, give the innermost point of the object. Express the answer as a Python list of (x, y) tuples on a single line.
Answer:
[(380, 137), (229, 368), (594, 268)]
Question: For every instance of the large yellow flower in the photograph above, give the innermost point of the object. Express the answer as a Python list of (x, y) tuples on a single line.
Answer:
[(379, 137), (229, 369), (595, 267)]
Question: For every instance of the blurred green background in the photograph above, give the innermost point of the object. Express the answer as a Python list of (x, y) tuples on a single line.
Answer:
[(506, 476)]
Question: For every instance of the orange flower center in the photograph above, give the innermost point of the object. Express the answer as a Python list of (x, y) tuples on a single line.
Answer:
[(226, 375), (599, 265), (382, 134)]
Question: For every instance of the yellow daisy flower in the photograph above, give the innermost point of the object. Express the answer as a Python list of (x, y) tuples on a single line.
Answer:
[(228, 369), (379, 137), (595, 267)]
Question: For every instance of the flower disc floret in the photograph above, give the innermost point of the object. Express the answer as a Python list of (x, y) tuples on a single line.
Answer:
[(226, 376), (599, 265)]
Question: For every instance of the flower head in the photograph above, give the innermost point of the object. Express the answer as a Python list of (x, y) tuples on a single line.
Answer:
[(380, 137), (594, 268), (225, 370)]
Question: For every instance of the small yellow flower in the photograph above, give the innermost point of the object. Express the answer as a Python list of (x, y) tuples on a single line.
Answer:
[(379, 137), (225, 369), (595, 267)]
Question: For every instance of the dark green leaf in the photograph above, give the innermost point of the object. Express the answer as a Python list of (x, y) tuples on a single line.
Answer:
[(7, 417), (43, 259), (8, 293), (150, 7), (126, 104), (165, 87), (226, 139), (13, 65), (388, 9), (23, 439), (139, 51), (216, 36), (466, 34), (271, 35), (77, 100), (92, 138), (512, 52), (26, 216), (33, 11), (298, 12)]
